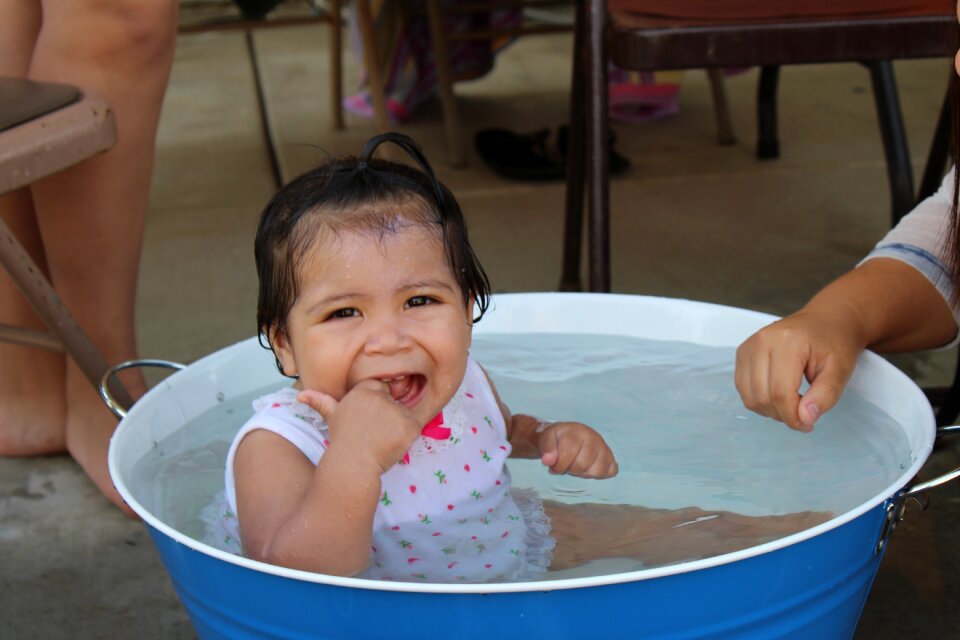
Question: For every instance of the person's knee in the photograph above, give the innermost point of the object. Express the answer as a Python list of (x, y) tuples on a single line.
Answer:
[(132, 32)]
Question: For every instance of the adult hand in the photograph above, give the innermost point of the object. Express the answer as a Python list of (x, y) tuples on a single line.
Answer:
[(576, 449), (367, 423), (772, 363)]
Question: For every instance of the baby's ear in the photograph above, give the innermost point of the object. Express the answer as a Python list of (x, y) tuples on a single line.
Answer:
[(283, 350)]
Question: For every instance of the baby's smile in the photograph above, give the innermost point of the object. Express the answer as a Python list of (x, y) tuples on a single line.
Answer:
[(407, 388)]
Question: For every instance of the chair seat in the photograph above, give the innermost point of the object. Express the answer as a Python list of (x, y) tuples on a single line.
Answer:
[(57, 128), (662, 34), (712, 11)]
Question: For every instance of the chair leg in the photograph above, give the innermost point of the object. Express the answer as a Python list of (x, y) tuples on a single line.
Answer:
[(939, 154), (451, 115), (375, 79), (899, 171), (768, 144), (950, 406), (721, 107), (336, 65), (598, 154), (45, 301), (576, 164)]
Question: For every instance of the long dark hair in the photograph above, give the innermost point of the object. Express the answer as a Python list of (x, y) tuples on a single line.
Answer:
[(953, 235), (357, 192)]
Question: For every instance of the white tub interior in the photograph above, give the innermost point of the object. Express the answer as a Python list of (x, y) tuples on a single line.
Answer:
[(246, 367)]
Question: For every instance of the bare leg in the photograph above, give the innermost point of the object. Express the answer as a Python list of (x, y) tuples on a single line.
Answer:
[(91, 216), (32, 384), (586, 532)]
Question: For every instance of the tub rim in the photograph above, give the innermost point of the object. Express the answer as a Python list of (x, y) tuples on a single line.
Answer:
[(867, 360)]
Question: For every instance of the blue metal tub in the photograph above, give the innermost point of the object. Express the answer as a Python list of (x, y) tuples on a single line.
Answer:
[(809, 585)]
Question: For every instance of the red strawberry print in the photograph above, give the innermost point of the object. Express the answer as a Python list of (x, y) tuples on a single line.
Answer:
[(435, 534), (469, 395), (451, 565), (412, 560), (488, 566), (395, 528), (466, 468), (275, 405), (449, 507), (413, 488), (505, 534)]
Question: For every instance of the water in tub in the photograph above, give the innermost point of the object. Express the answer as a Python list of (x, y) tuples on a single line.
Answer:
[(669, 411)]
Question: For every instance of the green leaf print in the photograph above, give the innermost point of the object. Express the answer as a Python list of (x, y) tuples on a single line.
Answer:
[(441, 476), (385, 499)]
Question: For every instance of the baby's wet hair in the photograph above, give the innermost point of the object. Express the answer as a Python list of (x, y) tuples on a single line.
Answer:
[(351, 193)]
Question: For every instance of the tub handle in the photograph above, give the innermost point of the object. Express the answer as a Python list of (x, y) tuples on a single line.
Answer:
[(108, 398), (898, 504)]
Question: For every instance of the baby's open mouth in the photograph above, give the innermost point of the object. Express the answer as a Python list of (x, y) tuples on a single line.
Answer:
[(407, 389)]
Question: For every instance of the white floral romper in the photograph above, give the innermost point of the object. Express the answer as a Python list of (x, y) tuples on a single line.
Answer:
[(447, 512)]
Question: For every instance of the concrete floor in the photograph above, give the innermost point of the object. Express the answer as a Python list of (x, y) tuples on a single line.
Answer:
[(691, 219)]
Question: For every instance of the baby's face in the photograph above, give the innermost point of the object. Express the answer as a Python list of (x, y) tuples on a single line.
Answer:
[(382, 307)]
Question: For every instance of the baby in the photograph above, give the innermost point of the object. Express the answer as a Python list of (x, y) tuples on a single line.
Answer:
[(386, 458)]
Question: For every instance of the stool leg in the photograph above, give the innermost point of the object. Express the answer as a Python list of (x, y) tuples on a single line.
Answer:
[(598, 154), (768, 144), (30, 280), (371, 64), (336, 65), (939, 154), (451, 114), (899, 171), (721, 107), (573, 217)]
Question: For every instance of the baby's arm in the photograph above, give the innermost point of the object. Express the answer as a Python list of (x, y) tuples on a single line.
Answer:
[(296, 515), (321, 518), (565, 447)]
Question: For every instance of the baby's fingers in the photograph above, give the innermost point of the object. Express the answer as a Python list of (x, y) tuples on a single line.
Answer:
[(597, 463), (320, 402)]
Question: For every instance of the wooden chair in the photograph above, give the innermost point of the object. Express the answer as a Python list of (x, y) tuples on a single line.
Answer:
[(45, 128), (662, 34)]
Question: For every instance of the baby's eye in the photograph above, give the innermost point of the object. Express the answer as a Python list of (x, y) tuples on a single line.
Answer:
[(344, 313), (419, 301)]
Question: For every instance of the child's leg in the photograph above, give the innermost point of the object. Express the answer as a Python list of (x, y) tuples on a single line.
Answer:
[(586, 532)]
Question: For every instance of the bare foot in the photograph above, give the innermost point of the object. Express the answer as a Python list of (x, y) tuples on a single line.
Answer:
[(32, 401), (90, 426)]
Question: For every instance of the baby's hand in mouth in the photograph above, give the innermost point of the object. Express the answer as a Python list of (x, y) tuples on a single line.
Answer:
[(368, 423)]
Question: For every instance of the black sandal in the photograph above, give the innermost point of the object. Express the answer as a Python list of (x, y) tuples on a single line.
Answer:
[(519, 156)]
